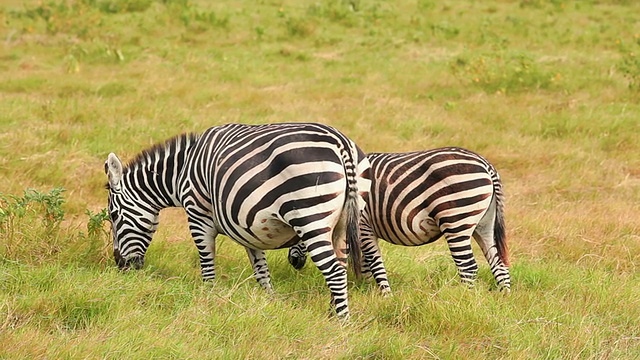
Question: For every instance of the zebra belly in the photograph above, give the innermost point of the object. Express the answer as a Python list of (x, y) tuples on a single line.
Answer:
[(423, 231), (429, 230), (272, 233)]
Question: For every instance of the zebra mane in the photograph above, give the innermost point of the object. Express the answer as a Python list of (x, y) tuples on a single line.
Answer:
[(159, 150)]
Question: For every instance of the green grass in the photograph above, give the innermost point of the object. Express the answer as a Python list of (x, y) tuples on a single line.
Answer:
[(546, 90)]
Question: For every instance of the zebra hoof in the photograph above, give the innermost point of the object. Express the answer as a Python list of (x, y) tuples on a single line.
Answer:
[(134, 263), (268, 288), (344, 320), (366, 274), (386, 292), (270, 292), (297, 262)]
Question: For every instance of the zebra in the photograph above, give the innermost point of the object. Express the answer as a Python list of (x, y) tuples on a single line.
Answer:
[(417, 197), (264, 186)]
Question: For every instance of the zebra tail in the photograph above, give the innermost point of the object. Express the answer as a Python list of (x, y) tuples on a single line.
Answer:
[(353, 232), (499, 232), (354, 158)]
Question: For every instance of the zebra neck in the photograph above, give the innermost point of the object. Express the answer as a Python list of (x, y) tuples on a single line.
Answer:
[(154, 175), (153, 189)]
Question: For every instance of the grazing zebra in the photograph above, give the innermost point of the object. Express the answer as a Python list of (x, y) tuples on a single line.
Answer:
[(264, 186), (417, 197)]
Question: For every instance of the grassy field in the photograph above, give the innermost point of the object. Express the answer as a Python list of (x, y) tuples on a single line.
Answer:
[(548, 91)]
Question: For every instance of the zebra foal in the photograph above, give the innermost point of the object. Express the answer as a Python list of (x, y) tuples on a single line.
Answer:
[(417, 197), (264, 186)]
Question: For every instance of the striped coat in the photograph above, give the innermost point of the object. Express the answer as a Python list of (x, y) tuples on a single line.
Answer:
[(264, 186), (418, 197)]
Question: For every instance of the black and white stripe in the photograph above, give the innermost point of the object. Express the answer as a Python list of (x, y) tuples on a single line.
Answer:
[(264, 186), (417, 197)]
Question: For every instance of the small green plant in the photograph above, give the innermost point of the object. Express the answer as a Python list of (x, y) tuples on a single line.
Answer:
[(259, 32), (445, 30), (426, 5), (81, 18), (502, 71), (119, 6), (630, 68), (95, 225), (540, 4), (97, 237), (30, 230), (299, 27), (199, 20), (98, 52), (31, 203), (19, 217), (50, 202), (449, 105), (335, 11)]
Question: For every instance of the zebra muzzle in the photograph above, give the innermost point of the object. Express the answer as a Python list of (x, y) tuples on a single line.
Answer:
[(297, 260), (134, 262)]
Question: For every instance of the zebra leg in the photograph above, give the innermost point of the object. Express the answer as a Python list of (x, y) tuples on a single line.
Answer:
[(340, 248), (462, 253), (298, 255), (498, 269), (365, 270), (484, 236), (260, 268), (204, 236), (322, 254), (372, 260)]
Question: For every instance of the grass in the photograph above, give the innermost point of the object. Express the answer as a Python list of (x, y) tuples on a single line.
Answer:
[(546, 90)]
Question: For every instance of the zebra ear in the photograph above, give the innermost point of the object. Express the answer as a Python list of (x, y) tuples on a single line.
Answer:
[(113, 169)]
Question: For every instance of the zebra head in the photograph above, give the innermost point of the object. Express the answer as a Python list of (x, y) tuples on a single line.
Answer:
[(132, 222)]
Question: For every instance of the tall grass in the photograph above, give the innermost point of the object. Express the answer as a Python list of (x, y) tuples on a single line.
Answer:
[(546, 90)]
